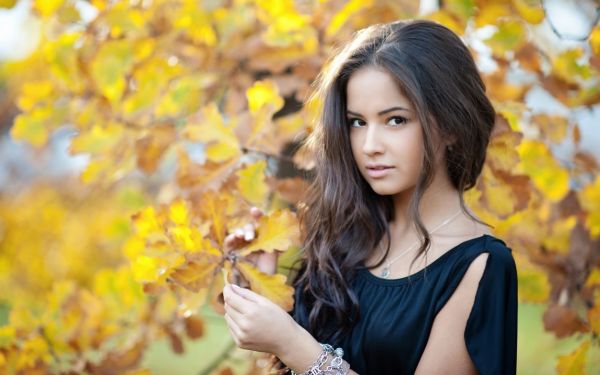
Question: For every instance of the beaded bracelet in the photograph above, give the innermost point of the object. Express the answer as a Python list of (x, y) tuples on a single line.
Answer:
[(336, 367)]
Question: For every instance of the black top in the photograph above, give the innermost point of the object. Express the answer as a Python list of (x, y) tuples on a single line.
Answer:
[(396, 315)]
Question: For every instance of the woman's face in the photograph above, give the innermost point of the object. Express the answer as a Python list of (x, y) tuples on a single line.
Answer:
[(385, 131)]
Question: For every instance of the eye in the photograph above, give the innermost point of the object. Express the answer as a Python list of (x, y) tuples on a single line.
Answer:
[(351, 122), (397, 120)]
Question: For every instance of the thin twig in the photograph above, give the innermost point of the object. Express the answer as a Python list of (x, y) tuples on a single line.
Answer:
[(217, 361)]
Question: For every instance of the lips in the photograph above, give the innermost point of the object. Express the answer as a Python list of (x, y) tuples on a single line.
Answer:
[(378, 166), (378, 170)]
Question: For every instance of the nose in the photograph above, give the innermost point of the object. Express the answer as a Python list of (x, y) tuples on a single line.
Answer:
[(372, 140)]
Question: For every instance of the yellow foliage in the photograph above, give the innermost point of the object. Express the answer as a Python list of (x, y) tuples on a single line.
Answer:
[(574, 363), (509, 36), (589, 198), (221, 141), (113, 60), (47, 8), (532, 282), (276, 231), (273, 287), (195, 86), (544, 170), (595, 40), (348, 10), (264, 94), (251, 183), (530, 10)]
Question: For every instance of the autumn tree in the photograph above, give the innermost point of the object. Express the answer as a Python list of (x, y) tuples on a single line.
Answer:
[(203, 104)]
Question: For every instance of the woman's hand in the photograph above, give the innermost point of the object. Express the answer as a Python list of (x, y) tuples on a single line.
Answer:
[(256, 323), (265, 262)]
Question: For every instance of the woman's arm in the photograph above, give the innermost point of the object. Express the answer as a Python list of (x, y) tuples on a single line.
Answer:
[(258, 324), (303, 352), (445, 352)]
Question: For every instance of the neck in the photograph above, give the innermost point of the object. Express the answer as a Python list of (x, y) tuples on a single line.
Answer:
[(439, 202)]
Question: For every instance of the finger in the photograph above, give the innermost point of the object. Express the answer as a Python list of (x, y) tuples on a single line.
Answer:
[(267, 262), (232, 240), (234, 329), (256, 213), (248, 232), (236, 315), (237, 301), (246, 293)]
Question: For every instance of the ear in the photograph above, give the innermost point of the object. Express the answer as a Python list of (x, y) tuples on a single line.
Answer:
[(450, 140)]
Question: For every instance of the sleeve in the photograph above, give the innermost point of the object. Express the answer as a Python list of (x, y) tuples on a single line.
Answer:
[(491, 331)]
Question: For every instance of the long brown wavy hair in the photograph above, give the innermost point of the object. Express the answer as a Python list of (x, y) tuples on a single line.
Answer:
[(343, 219)]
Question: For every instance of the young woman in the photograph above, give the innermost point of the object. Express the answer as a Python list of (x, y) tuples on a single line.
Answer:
[(403, 133)]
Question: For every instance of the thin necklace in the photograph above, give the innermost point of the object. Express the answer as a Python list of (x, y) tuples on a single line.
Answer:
[(385, 272)]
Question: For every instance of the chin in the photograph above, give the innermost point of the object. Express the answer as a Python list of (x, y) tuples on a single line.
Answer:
[(384, 189)]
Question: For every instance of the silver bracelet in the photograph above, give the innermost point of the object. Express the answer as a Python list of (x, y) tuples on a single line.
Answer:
[(336, 367)]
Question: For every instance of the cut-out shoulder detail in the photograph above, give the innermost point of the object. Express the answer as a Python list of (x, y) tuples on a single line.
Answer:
[(397, 316), (446, 351)]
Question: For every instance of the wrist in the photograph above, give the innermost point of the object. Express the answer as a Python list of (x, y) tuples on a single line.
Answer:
[(300, 351)]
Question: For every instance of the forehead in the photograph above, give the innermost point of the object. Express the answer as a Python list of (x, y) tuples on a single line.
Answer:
[(372, 89)]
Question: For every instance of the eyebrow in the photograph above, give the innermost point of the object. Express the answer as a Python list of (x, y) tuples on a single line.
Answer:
[(382, 112)]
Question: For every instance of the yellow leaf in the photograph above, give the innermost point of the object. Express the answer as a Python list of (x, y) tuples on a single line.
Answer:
[(32, 126), (574, 363), (568, 66), (447, 20), (589, 198), (7, 335), (509, 37), (196, 22), (488, 14), (33, 93), (110, 66), (147, 268), (533, 282), (273, 287), (148, 222), (31, 350), (251, 183), (594, 317), (98, 139), (464, 9), (547, 175), (47, 8), (7, 3), (593, 278), (122, 18), (150, 78), (96, 169), (530, 10), (276, 231), (349, 9), (151, 147), (264, 94), (179, 213), (559, 237), (552, 127), (222, 142), (62, 59), (197, 274), (185, 95), (595, 40)]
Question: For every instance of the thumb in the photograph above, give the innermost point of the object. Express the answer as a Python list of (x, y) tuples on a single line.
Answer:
[(267, 262)]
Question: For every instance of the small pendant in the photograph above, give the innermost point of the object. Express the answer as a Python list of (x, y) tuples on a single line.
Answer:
[(385, 273)]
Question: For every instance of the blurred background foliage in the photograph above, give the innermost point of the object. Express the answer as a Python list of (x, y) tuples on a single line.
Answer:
[(137, 134)]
